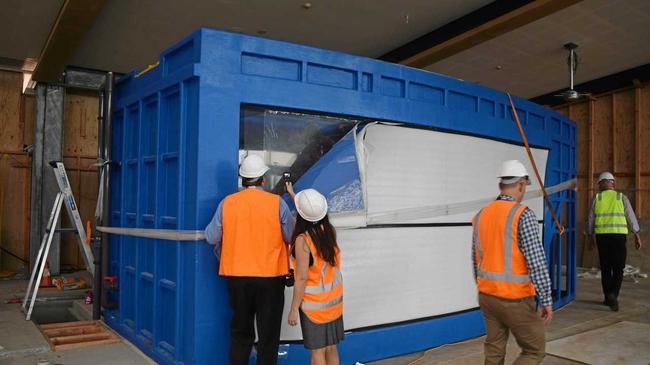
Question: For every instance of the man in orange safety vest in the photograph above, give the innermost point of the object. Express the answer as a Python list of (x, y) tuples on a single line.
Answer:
[(250, 231), (510, 271)]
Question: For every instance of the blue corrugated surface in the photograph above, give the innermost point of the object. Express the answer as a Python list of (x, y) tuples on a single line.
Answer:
[(176, 135)]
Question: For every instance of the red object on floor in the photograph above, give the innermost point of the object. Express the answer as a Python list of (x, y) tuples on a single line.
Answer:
[(46, 279)]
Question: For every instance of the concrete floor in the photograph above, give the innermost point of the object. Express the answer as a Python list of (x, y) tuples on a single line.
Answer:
[(586, 313), (21, 343)]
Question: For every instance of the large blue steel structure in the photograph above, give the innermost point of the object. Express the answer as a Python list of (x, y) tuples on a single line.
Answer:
[(176, 136)]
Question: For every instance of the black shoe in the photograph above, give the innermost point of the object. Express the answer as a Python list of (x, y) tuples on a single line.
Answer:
[(612, 302)]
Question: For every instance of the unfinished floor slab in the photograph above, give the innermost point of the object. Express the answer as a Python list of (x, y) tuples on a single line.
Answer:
[(19, 337), (621, 343), (586, 313)]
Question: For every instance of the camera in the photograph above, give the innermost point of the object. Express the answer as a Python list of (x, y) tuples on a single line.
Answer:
[(286, 176), (289, 279)]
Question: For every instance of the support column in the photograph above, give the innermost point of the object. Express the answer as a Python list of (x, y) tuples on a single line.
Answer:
[(637, 149), (48, 146)]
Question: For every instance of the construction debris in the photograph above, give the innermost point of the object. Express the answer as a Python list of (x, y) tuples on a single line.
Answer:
[(630, 272)]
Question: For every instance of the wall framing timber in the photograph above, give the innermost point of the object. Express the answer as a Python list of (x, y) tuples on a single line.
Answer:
[(79, 151), (613, 135)]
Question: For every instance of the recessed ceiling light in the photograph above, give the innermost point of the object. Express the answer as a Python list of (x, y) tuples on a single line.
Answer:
[(499, 67), (306, 6)]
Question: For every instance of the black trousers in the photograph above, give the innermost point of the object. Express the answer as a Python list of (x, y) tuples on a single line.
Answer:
[(261, 300), (612, 253)]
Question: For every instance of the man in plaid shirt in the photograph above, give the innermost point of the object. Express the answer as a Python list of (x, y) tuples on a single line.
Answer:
[(510, 270)]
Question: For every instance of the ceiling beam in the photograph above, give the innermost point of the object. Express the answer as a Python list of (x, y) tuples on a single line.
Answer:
[(490, 29), (74, 20)]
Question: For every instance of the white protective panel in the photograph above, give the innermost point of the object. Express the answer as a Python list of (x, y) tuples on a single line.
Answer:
[(409, 168), (395, 274), (398, 274)]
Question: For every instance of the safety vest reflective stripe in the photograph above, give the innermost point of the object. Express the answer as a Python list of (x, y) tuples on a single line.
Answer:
[(507, 274), (320, 305), (323, 300), (504, 277), (322, 288), (507, 247), (613, 225), (609, 213)]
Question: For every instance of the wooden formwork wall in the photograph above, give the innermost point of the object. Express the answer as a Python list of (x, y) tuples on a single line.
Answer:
[(15, 171), (613, 135), (80, 153)]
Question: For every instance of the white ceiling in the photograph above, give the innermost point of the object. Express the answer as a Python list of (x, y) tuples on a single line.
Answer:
[(612, 35), (130, 34)]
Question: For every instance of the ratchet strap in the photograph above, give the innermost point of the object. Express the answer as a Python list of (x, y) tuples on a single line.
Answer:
[(560, 228)]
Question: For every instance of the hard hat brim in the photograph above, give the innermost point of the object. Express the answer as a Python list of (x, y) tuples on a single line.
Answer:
[(254, 175), (511, 180)]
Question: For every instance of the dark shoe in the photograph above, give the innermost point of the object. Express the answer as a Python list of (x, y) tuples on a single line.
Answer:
[(612, 302)]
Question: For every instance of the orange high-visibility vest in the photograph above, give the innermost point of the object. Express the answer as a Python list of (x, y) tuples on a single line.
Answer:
[(501, 267), (252, 243), (323, 298)]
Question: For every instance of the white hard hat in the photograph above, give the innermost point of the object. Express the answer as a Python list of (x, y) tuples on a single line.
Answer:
[(252, 167), (512, 171), (311, 205), (605, 176)]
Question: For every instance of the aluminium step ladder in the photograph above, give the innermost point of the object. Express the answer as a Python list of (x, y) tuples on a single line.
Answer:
[(63, 196)]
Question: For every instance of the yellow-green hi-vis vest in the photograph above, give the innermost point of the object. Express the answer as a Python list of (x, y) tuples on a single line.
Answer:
[(609, 213)]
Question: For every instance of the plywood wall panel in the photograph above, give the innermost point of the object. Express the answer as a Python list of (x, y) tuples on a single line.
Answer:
[(645, 129), (80, 153), (17, 116), (625, 134), (644, 212), (15, 174), (15, 186), (11, 132), (614, 146), (603, 134)]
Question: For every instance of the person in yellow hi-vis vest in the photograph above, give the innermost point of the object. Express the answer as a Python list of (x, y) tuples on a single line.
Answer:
[(609, 217), (251, 230)]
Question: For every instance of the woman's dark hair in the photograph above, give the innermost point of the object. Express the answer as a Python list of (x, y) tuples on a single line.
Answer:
[(322, 234)]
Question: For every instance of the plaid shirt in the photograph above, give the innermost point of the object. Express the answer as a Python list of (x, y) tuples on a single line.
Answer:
[(533, 250)]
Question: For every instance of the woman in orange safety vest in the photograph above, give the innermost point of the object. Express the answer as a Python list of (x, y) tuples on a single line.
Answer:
[(318, 290)]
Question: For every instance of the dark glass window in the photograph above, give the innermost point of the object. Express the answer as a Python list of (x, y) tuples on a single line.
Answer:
[(289, 141)]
